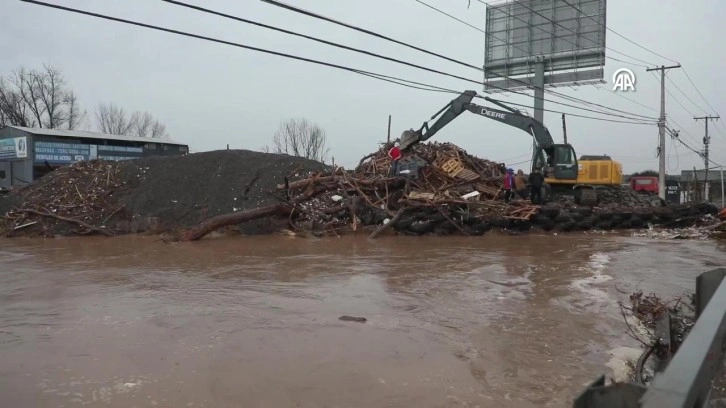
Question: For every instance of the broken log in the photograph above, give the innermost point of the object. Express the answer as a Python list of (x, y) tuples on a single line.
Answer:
[(387, 225), (300, 184), (224, 220)]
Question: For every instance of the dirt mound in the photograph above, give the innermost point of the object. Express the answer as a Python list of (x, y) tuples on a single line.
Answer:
[(184, 190), (150, 194)]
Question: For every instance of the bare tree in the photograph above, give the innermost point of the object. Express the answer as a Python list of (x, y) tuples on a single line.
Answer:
[(140, 123), (38, 98), (114, 120), (76, 117), (13, 110), (298, 137), (158, 130)]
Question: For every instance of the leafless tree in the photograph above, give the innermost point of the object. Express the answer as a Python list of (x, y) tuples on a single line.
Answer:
[(13, 110), (114, 120), (158, 130), (76, 117), (38, 98), (298, 137)]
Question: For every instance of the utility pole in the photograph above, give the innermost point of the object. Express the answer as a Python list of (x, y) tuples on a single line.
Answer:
[(661, 130), (389, 130), (706, 161)]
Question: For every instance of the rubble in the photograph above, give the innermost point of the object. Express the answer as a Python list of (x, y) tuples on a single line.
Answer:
[(440, 189), (652, 311)]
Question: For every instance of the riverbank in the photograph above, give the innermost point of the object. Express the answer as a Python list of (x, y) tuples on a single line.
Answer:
[(448, 192)]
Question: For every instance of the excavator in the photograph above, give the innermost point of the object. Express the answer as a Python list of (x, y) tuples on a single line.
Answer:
[(558, 162)]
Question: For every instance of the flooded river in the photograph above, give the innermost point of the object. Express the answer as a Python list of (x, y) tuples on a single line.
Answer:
[(495, 321)]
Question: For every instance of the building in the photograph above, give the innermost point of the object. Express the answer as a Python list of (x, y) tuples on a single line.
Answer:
[(27, 154), (693, 185)]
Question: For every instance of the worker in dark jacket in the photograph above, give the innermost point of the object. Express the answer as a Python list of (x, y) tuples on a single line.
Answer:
[(508, 185), (536, 181)]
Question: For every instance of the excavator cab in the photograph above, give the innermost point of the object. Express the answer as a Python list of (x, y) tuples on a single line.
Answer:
[(558, 163)]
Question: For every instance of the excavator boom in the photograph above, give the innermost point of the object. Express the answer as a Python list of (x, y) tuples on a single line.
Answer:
[(462, 103)]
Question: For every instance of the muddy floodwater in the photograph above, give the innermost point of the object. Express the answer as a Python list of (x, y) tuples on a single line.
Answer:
[(494, 321)]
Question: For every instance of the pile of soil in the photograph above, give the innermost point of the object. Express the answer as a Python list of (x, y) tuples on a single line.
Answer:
[(151, 194), (183, 191)]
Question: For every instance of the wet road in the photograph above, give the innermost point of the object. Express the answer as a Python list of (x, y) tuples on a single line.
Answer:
[(496, 321)]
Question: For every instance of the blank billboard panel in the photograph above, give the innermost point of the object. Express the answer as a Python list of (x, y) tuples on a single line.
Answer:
[(567, 35)]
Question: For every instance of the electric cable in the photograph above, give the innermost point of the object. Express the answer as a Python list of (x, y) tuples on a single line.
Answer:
[(209, 11), (285, 55)]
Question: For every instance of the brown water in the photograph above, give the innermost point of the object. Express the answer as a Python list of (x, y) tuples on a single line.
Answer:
[(496, 321)]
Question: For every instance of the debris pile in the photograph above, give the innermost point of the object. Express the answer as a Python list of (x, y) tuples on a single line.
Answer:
[(78, 199), (666, 323), (439, 189)]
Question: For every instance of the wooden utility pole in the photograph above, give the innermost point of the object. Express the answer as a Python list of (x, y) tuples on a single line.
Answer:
[(661, 130), (706, 161), (389, 129)]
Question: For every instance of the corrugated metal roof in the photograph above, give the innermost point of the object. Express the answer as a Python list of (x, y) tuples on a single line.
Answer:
[(81, 134), (713, 175)]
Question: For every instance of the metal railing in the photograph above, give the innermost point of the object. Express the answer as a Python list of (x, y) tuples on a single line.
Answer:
[(687, 379)]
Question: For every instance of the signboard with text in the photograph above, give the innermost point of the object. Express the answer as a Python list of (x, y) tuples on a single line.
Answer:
[(14, 148), (61, 153)]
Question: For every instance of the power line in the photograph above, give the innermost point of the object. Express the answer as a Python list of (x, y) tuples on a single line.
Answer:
[(239, 45), (309, 13), (352, 27), (320, 40), (266, 51), (625, 97), (453, 17), (684, 94), (525, 51), (699, 92), (589, 117)]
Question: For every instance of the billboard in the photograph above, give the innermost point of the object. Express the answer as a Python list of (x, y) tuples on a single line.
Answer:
[(14, 148), (563, 38)]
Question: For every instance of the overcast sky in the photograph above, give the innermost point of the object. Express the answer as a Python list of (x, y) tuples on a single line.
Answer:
[(210, 95)]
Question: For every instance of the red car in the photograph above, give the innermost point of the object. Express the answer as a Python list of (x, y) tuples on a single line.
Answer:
[(644, 184)]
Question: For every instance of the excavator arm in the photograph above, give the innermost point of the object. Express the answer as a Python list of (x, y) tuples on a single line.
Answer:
[(462, 103)]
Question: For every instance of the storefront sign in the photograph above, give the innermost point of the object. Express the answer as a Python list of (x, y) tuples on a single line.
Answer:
[(61, 153), (15, 148)]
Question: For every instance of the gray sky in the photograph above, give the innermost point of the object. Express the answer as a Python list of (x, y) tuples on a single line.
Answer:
[(210, 95)]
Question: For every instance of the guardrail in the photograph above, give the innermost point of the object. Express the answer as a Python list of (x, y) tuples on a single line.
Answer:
[(686, 380)]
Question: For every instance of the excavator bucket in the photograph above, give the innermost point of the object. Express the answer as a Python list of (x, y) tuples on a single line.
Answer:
[(408, 138)]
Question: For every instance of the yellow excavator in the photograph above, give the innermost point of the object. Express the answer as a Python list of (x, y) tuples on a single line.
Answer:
[(558, 161)]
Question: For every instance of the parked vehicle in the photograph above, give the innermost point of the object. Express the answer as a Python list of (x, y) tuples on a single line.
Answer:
[(644, 184)]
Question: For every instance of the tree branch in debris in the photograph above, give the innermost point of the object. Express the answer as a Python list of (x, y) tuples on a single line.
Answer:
[(69, 220), (225, 220)]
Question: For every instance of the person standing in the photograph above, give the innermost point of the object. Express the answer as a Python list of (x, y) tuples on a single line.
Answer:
[(508, 185), (395, 155), (520, 184), (536, 181)]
